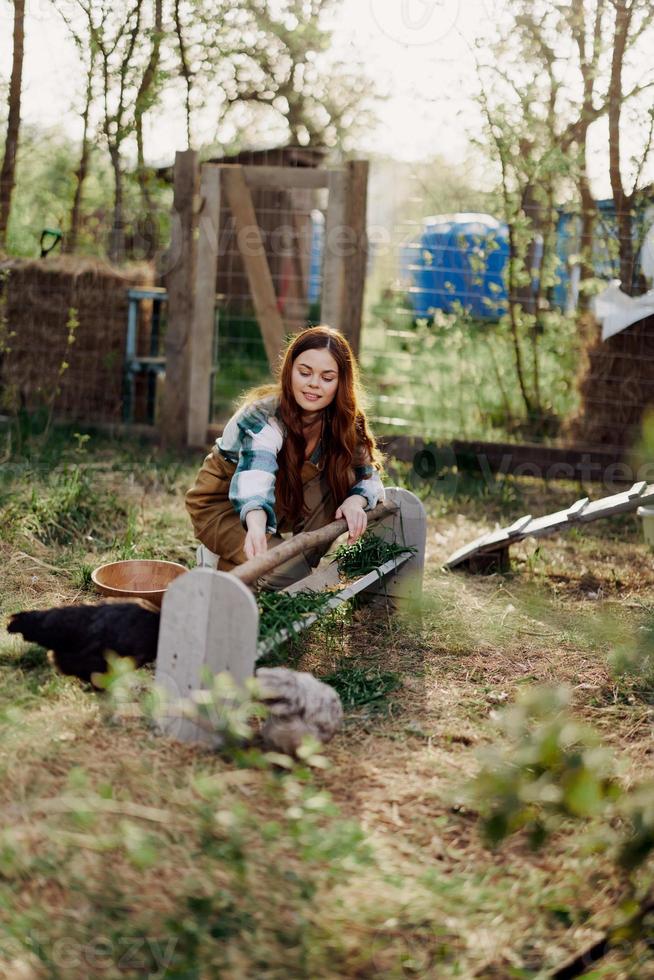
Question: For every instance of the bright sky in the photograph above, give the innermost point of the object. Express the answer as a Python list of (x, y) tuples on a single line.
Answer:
[(414, 49), (418, 52)]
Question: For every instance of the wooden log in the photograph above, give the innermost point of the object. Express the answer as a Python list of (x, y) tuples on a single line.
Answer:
[(286, 178), (356, 264), (337, 246), (600, 464), (253, 253), (253, 569), (204, 308), (180, 281), (209, 625)]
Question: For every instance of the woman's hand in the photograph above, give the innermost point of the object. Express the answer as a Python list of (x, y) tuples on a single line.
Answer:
[(256, 542), (357, 519)]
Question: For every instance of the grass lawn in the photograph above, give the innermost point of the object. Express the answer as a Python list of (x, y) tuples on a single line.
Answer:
[(124, 854)]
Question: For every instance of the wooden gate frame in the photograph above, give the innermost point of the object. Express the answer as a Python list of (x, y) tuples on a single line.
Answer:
[(193, 267)]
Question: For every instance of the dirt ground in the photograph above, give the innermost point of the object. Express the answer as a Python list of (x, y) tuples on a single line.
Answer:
[(106, 824)]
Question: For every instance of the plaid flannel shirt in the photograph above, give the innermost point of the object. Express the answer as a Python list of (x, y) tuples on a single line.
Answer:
[(252, 439)]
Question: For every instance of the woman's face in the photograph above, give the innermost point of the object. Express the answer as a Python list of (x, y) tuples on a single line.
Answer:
[(314, 380)]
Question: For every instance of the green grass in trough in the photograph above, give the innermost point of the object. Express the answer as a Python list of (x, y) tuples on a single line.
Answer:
[(366, 554)]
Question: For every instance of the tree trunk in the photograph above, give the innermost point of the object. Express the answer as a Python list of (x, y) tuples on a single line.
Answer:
[(8, 171), (533, 211), (622, 201), (587, 231), (70, 244), (143, 103), (186, 70), (513, 318), (117, 236)]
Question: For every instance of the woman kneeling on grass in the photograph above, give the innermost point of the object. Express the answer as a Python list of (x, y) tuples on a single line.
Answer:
[(295, 456)]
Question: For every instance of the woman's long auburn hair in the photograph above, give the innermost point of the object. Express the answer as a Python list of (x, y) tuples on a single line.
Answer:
[(347, 440)]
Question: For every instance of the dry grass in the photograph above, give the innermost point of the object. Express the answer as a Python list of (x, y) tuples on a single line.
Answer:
[(112, 832)]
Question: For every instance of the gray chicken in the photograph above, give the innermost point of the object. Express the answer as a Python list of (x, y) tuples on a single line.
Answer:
[(299, 705)]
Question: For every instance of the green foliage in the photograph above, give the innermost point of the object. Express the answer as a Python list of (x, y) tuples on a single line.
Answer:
[(62, 507), (554, 769), (366, 554), (551, 767), (279, 610), (44, 188), (450, 377), (44, 193), (129, 69), (358, 687), (637, 810), (242, 359)]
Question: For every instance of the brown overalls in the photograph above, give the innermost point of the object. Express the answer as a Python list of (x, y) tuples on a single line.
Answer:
[(218, 526)]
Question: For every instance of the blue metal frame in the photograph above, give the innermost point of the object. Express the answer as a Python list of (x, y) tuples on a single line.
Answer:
[(151, 365)]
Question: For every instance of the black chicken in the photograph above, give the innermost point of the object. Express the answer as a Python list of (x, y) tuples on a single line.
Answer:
[(80, 636)]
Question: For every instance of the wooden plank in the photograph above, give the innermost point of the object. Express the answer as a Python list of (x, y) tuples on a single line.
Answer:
[(541, 526), (406, 526), (323, 577), (549, 462), (581, 512), (253, 253), (356, 264), (204, 309), (285, 178), (519, 526), (638, 489), (466, 551), (619, 503), (180, 280), (337, 244), (209, 625), (578, 508), (301, 249)]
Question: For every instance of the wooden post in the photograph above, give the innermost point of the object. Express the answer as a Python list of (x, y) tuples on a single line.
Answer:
[(180, 281), (253, 253), (202, 324), (209, 625), (301, 247), (356, 264), (338, 245)]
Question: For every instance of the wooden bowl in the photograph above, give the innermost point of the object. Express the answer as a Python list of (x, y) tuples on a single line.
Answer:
[(140, 578)]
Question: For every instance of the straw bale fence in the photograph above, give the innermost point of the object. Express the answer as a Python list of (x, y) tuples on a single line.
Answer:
[(616, 386), (62, 336)]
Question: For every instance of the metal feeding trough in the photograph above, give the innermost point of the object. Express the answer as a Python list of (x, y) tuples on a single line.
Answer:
[(140, 578)]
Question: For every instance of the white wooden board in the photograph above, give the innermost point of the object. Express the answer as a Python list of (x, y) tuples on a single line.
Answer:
[(209, 624), (581, 512)]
